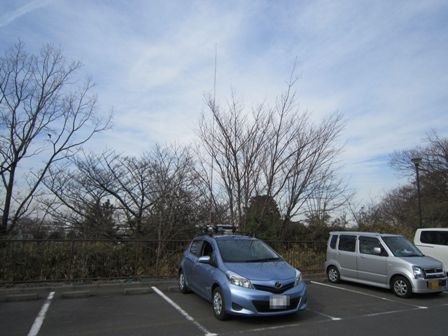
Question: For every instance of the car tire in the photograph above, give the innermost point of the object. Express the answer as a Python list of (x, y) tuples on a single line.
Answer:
[(218, 305), (182, 283), (333, 274), (401, 286)]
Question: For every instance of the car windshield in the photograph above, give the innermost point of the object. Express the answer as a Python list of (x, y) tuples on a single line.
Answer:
[(402, 247), (245, 250)]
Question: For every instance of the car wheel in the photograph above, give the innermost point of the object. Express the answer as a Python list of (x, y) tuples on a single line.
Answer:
[(401, 286), (218, 305), (182, 283), (333, 274)]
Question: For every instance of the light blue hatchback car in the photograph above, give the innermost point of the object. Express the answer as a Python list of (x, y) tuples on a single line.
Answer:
[(241, 275)]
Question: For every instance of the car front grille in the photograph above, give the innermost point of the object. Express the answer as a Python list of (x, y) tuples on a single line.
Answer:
[(434, 273), (275, 290), (263, 306)]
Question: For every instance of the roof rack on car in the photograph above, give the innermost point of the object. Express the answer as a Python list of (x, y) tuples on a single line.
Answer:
[(211, 229)]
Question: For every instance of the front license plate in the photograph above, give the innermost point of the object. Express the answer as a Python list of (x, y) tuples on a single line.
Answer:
[(434, 284), (279, 301)]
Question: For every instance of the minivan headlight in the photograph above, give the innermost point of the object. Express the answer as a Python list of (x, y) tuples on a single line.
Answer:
[(238, 280), (418, 272), (298, 279)]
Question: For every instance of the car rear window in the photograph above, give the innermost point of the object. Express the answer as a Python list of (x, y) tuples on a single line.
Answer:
[(347, 243), (195, 248), (333, 241)]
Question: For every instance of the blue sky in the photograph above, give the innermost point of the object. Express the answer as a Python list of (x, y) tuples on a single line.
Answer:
[(382, 64)]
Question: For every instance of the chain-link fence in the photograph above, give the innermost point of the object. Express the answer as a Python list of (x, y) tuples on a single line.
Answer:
[(73, 260)]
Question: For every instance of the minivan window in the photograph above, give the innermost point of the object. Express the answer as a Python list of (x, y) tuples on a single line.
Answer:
[(333, 241), (367, 245), (434, 237), (402, 247), (347, 243)]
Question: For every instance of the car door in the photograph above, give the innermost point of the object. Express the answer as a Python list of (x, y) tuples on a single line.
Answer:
[(372, 267), (346, 256), (205, 272), (190, 261)]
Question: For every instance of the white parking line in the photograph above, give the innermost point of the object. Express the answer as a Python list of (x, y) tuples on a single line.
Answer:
[(183, 312), (366, 294), (390, 312), (41, 316), (333, 318), (271, 328)]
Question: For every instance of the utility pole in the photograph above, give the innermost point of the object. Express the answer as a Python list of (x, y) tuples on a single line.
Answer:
[(417, 161)]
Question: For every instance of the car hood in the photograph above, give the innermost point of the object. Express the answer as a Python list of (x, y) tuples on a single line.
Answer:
[(424, 262), (263, 271)]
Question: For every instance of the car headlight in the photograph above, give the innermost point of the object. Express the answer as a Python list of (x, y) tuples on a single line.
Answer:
[(238, 280), (418, 272), (298, 279)]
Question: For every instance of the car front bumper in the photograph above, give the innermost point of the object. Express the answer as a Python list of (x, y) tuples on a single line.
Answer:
[(429, 285), (253, 302)]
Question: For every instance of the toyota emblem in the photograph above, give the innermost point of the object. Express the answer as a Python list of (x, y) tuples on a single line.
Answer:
[(278, 284)]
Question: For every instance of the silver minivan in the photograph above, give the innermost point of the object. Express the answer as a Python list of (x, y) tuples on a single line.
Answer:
[(383, 260)]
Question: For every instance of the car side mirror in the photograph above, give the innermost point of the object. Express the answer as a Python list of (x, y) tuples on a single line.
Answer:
[(204, 260), (377, 250)]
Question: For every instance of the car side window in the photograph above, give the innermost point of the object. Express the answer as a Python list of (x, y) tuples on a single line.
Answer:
[(333, 241), (347, 243), (367, 245), (195, 248), (434, 237), (207, 249)]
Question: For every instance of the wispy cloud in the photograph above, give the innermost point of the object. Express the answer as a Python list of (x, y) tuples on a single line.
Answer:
[(382, 64), (10, 16)]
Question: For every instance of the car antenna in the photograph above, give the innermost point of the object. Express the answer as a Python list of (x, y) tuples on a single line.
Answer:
[(213, 135)]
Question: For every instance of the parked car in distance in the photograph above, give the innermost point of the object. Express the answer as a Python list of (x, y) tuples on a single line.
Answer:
[(433, 242), (383, 260), (241, 275)]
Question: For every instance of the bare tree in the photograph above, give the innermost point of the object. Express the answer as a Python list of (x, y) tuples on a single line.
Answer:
[(273, 151), (234, 142), (77, 204), (44, 118), (155, 195)]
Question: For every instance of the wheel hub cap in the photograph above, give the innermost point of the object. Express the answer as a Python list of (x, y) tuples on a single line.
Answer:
[(401, 287), (217, 303)]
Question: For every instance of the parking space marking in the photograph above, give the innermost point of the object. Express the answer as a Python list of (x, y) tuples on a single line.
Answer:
[(366, 294), (41, 316), (183, 312), (271, 328), (333, 318), (390, 312)]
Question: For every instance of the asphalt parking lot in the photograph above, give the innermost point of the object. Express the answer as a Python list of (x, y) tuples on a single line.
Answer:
[(343, 309)]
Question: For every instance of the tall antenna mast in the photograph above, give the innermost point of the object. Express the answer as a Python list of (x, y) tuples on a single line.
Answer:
[(213, 135)]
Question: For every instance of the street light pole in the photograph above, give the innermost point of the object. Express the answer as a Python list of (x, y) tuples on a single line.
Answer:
[(416, 161)]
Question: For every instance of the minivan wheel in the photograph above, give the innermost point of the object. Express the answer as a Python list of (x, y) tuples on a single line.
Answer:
[(333, 274), (218, 305), (401, 286), (182, 283)]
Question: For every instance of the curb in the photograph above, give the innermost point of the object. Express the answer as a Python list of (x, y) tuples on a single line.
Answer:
[(76, 294), (138, 291), (88, 290), (22, 297)]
